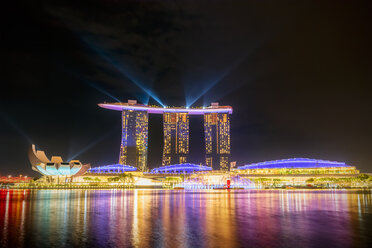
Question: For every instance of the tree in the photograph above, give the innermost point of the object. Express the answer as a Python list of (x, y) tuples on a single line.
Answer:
[(170, 181), (310, 180), (113, 179), (123, 178), (276, 181), (261, 180), (130, 178), (363, 177)]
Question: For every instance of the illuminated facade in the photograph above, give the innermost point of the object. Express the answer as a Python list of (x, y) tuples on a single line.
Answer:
[(112, 169), (185, 168), (176, 138), (297, 166), (217, 140), (134, 139)]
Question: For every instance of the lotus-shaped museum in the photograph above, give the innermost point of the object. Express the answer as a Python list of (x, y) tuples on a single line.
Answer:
[(55, 166)]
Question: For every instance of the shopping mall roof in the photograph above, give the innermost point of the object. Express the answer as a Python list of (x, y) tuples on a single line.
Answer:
[(112, 168), (294, 163), (181, 168), (132, 105)]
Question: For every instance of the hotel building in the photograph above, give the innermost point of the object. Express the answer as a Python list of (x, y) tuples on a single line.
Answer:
[(134, 139), (217, 140), (133, 148), (176, 138)]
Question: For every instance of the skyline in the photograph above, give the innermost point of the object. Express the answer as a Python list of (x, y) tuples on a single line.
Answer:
[(297, 77)]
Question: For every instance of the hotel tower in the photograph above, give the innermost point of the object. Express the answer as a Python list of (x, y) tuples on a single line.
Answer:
[(134, 138), (217, 139), (176, 138)]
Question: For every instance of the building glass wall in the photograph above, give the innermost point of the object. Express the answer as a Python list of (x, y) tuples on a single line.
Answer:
[(134, 141), (217, 140), (176, 138)]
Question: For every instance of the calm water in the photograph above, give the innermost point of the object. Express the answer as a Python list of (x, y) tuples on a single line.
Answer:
[(166, 218)]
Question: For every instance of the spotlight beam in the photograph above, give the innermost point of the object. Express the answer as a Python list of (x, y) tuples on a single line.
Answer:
[(216, 94), (209, 87), (215, 82), (88, 147), (19, 130), (93, 85), (103, 91), (119, 68)]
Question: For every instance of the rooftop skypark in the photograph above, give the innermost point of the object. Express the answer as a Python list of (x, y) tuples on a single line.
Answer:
[(133, 105)]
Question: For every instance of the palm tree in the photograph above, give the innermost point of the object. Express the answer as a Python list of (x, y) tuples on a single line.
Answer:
[(130, 178), (275, 181)]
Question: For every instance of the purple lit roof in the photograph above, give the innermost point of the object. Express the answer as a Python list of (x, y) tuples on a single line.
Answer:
[(112, 168), (180, 168), (161, 110), (294, 163)]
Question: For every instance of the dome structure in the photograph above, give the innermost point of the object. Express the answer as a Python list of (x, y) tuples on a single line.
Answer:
[(181, 168), (55, 166), (113, 168), (294, 163)]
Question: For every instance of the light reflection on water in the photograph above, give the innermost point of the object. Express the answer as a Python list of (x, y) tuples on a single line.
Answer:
[(166, 218)]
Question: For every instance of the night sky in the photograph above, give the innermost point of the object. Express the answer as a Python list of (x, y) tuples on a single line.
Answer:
[(297, 74)]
